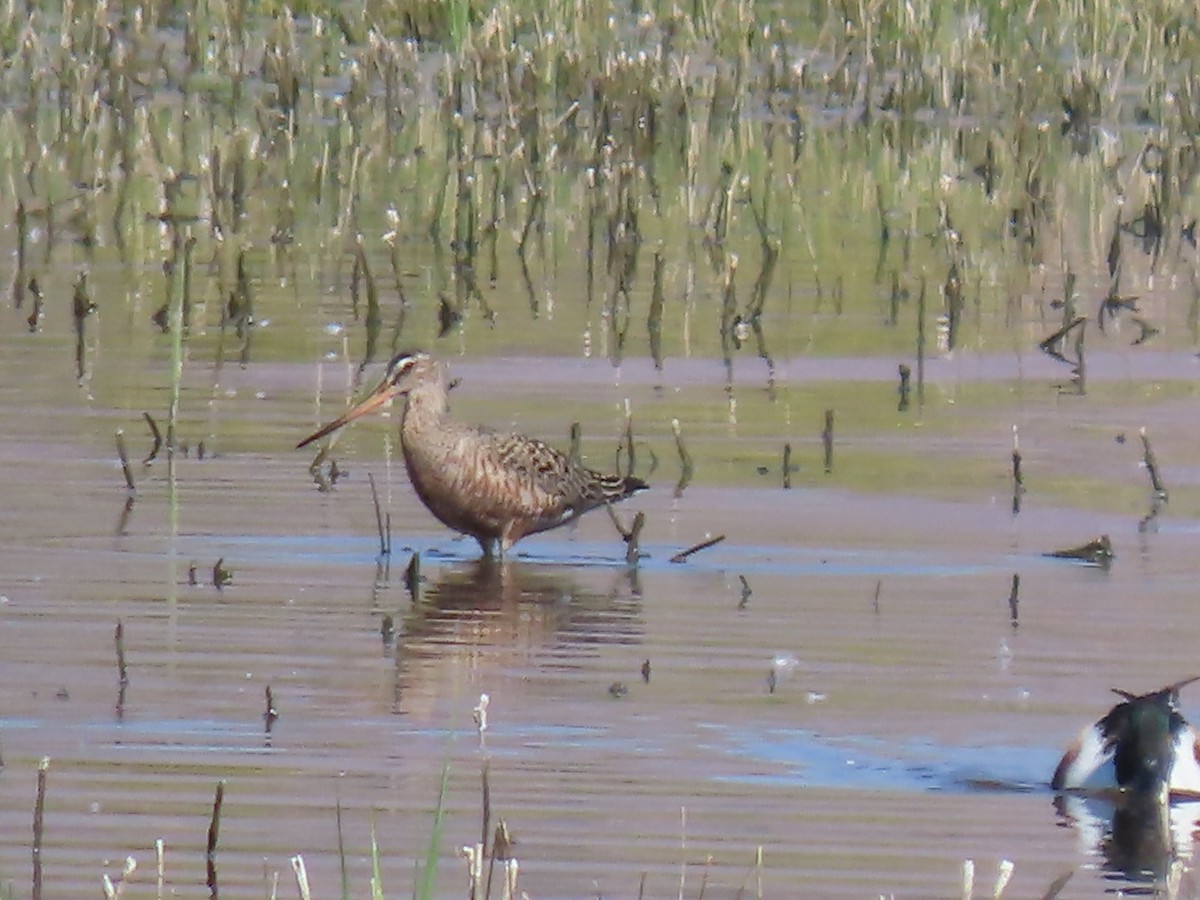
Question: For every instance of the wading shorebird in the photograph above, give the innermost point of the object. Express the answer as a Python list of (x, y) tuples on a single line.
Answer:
[(497, 488), (1142, 746)]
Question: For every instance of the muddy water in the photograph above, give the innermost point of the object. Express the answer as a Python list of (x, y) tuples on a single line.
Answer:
[(912, 724)]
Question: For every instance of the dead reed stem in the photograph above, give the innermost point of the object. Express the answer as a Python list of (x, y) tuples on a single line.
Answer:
[(39, 821), (123, 454), (210, 852)]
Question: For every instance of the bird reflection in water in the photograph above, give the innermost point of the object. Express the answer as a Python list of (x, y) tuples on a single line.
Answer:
[(493, 615), (1138, 838), (1130, 785)]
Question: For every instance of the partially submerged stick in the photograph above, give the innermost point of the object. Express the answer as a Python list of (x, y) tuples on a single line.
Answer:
[(683, 555), (123, 453), (385, 536), (1098, 552), (1018, 479), (154, 433), (686, 467), (272, 713), (214, 830), (827, 440), (1151, 464), (120, 641), (39, 818), (631, 535)]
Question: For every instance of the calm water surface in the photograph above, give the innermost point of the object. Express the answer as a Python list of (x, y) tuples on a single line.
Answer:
[(916, 715), (912, 725)]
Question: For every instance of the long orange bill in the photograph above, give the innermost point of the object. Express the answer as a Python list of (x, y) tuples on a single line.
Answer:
[(376, 399)]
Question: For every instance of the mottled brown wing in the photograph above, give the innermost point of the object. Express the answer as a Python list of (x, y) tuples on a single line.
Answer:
[(557, 484)]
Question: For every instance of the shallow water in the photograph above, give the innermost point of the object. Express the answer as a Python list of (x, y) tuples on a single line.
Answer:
[(839, 699), (912, 724)]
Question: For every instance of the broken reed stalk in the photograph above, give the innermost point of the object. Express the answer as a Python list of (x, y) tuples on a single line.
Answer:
[(686, 466), (827, 440), (120, 641), (576, 440), (412, 576), (154, 433), (1018, 479), (787, 467), (271, 713), (341, 839), (630, 461), (301, 877), (683, 555), (210, 852), (385, 542), (1016, 460), (633, 539), (1013, 602), (631, 536), (1151, 464), (123, 454), (921, 346), (486, 813), (39, 814)]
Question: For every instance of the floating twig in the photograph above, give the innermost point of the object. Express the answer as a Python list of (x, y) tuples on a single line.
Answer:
[(787, 467), (683, 555), (878, 591), (1012, 598), (1151, 464), (903, 389)]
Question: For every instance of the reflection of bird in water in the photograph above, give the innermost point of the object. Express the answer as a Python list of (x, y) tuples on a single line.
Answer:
[(493, 615), (1117, 778), (1143, 745), (497, 488), (1136, 836)]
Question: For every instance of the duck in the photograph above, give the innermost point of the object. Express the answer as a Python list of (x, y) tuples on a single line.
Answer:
[(1143, 746)]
